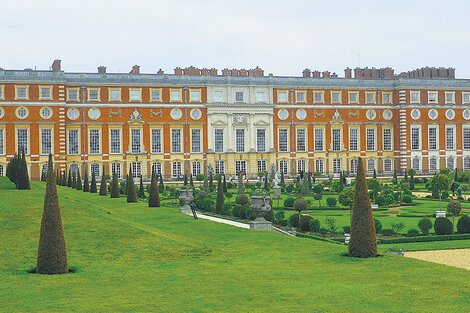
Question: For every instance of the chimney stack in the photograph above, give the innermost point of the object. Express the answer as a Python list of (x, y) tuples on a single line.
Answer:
[(101, 69), (135, 70), (347, 73), (160, 72), (306, 73), (56, 66)]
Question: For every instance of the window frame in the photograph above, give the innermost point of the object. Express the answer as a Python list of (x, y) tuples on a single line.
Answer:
[(89, 90), (191, 95), (374, 97), (179, 90), (173, 142), (286, 92), (111, 143), (41, 87), (286, 137), (300, 92), (415, 92), (356, 93), (110, 91), (160, 94), (90, 141), (26, 87)]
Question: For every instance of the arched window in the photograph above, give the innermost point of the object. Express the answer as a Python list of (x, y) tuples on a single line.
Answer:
[(301, 165), (136, 169), (387, 165), (370, 165), (44, 168), (415, 164), (450, 163), (433, 165), (73, 169), (2, 173), (116, 168), (95, 168), (157, 168), (176, 169), (319, 166)]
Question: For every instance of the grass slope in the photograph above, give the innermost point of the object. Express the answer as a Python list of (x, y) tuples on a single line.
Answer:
[(129, 257)]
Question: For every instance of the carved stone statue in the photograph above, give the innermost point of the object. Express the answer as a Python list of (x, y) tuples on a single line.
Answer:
[(210, 169), (276, 179)]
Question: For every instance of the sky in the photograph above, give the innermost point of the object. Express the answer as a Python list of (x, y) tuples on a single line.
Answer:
[(281, 37)]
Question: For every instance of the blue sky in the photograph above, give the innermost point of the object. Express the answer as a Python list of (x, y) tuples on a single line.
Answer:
[(282, 37)]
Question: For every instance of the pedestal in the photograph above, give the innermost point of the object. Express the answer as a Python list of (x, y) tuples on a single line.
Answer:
[(186, 209), (261, 224), (277, 192)]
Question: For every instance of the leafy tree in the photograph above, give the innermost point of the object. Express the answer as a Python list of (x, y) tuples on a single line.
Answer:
[(318, 197), (441, 183), (115, 192), (86, 184), (220, 197), (52, 251), (224, 184), (444, 171), (241, 186), (395, 178), (346, 198), (161, 187), (425, 225), (154, 197), (131, 192), (79, 181), (141, 188), (300, 205), (69, 179), (93, 188), (455, 208), (305, 189), (266, 183), (23, 177), (283, 184), (103, 185), (74, 181), (363, 242)]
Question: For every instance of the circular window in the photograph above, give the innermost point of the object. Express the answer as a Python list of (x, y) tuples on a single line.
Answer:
[(466, 114), (371, 114), (94, 113), (301, 114), (196, 114), (73, 114), (415, 114), (176, 114), (450, 114), (388, 115), (22, 113), (432, 114), (46, 113), (283, 114), (2, 112)]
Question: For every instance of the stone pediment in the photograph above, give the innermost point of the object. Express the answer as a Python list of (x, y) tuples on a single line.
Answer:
[(336, 118), (219, 123), (136, 118), (261, 123)]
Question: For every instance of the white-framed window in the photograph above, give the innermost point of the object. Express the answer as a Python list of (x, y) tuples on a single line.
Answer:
[(136, 169), (73, 141), (415, 164), (353, 139), (44, 169), (386, 98), (95, 168), (157, 168), (301, 166), (2, 92), (336, 136), (176, 140), (432, 138), (388, 165), (46, 141), (433, 165), (155, 95), (175, 95), (240, 167), (335, 97), (196, 140), (239, 96), (301, 137), (93, 94), (176, 169), (73, 169), (114, 94), (284, 166), (466, 138), (195, 95), (450, 138), (370, 139), (135, 141), (95, 141), (218, 96), (432, 97), (116, 168), (451, 163), (353, 166), (415, 138), (353, 97), (318, 97), (260, 97), (387, 133), (336, 166), (282, 140), (135, 94), (450, 97), (21, 92), (300, 97), (261, 165), (45, 92), (218, 140), (2, 144), (465, 97), (240, 140), (219, 167), (156, 140), (370, 97), (22, 113), (72, 94), (466, 164), (370, 165), (2, 171), (319, 139), (282, 96), (415, 96), (22, 140), (261, 140), (196, 168), (115, 140), (319, 166)]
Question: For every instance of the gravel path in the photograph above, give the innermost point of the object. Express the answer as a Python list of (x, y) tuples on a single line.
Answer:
[(452, 257)]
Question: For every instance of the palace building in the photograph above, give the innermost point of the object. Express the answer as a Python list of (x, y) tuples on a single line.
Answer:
[(235, 120)]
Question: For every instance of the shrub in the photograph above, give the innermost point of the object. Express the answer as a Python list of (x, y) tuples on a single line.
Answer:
[(425, 225), (412, 232), (290, 188), (463, 225), (289, 202), (236, 210), (378, 225), (388, 232), (424, 179), (331, 202), (279, 216), (318, 188), (226, 209), (407, 199), (294, 220), (380, 200), (398, 226), (407, 192), (315, 225), (445, 194), (443, 226), (208, 204), (300, 204), (389, 199), (331, 223), (305, 222), (346, 229), (242, 199), (269, 216), (244, 211)]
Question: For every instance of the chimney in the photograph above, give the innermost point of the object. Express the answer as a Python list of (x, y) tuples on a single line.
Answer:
[(135, 70), (334, 75), (101, 69), (213, 71), (160, 72), (316, 74), (326, 74), (306, 73), (178, 71), (347, 73), (56, 66)]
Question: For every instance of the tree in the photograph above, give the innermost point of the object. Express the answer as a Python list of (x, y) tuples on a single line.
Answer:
[(141, 188), (425, 225), (52, 251), (341, 181), (318, 197), (154, 197), (305, 189), (69, 179), (115, 192), (225, 185), (346, 198), (161, 187), (363, 242), (79, 181), (93, 183), (395, 178), (103, 185), (375, 174), (23, 177), (241, 186), (86, 184), (441, 182), (191, 183), (220, 197), (283, 184), (406, 176), (74, 181), (131, 192), (64, 179), (412, 173), (300, 205), (266, 183), (456, 176), (455, 208), (211, 180), (57, 178)]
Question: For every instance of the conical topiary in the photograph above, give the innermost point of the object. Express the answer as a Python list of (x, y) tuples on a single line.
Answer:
[(131, 192), (363, 242), (103, 185), (211, 180), (57, 178), (161, 187), (23, 181), (115, 192), (154, 197), (220, 197), (86, 184), (141, 188), (93, 183), (79, 180), (64, 178), (74, 181), (52, 252), (69, 179), (224, 184)]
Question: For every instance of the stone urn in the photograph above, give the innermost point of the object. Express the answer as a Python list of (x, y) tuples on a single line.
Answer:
[(186, 196), (260, 205)]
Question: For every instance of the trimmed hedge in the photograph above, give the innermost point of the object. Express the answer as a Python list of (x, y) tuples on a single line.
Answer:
[(423, 239), (302, 235)]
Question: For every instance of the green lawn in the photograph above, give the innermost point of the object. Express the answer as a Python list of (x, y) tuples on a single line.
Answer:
[(434, 245), (129, 257)]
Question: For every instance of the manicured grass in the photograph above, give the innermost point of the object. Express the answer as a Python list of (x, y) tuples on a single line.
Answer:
[(129, 257), (435, 245)]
